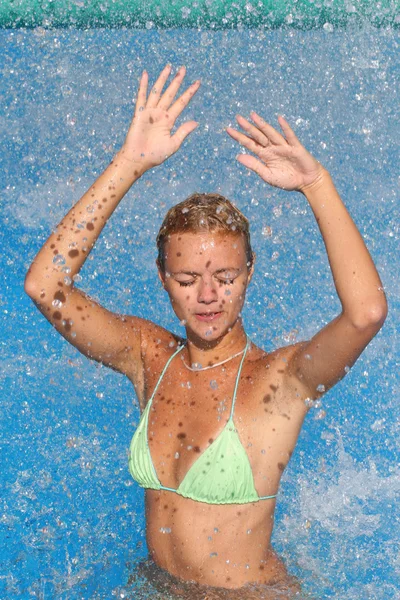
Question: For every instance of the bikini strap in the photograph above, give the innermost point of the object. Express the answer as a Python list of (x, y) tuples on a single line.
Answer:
[(163, 371), (238, 376)]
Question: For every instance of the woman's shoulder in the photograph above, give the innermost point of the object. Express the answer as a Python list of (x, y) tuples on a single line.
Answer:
[(276, 357), (158, 342)]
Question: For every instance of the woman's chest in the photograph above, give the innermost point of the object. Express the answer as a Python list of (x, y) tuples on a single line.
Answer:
[(190, 413)]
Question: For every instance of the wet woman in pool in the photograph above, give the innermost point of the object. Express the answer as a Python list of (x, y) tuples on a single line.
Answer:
[(220, 416)]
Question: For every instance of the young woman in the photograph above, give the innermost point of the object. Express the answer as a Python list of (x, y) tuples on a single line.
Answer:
[(221, 417)]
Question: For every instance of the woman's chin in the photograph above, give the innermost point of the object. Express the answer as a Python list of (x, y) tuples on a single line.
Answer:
[(206, 332)]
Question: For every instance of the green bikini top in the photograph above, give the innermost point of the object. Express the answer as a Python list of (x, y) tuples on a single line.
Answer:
[(222, 473)]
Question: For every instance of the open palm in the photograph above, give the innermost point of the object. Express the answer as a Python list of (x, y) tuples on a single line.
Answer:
[(149, 140), (282, 160)]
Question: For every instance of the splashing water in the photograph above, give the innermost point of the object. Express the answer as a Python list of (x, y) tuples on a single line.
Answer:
[(71, 518)]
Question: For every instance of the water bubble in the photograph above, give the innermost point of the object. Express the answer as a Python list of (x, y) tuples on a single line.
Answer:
[(76, 277), (328, 27), (59, 259), (165, 530), (71, 120), (66, 90), (266, 231)]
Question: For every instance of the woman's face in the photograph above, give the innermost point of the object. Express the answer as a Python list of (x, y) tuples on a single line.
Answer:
[(206, 277)]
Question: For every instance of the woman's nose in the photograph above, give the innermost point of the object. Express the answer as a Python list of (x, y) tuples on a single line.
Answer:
[(207, 292)]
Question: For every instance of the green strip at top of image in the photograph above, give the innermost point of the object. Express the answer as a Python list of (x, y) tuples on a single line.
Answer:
[(205, 14)]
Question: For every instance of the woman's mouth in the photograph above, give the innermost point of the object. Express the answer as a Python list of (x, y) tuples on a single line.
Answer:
[(209, 316)]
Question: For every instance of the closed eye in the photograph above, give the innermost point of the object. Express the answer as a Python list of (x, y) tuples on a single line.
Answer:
[(226, 281)]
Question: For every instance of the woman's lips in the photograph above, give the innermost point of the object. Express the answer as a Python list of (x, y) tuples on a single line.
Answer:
[(207, 317)]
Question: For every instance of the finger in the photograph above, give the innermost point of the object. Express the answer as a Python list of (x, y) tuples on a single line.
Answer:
[(253, 131), (170, 93), (253, 164), (156, 90), (182, 102), (291, 137), (244, 140), (182, 132), (142, 93), (274, 136)]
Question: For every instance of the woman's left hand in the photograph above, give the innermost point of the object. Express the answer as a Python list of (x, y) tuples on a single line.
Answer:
[(284, 162)]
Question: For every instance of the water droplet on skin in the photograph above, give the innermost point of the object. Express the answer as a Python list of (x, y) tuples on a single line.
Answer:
[(59, 259), (320, 388), (165, 530), (176, 455), (216, 529), (213, 384), (213, 554)]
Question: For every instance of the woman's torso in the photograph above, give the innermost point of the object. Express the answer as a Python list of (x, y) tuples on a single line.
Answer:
[(220, 545)]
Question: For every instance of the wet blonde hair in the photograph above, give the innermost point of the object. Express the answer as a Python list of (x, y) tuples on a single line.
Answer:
[(204, 212)]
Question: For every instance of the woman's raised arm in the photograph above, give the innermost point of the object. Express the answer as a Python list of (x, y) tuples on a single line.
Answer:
[(98, 333), (283, 162)]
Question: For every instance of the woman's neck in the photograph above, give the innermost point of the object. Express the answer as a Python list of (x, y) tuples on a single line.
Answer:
[(202, 354)]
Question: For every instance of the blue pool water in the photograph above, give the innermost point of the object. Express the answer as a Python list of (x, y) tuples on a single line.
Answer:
[(72, 523)]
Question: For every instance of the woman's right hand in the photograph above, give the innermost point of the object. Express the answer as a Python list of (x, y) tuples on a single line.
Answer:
[(149, 141)]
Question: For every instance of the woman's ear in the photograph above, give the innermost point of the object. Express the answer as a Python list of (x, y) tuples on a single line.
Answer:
[(251, 267), (161, 274)]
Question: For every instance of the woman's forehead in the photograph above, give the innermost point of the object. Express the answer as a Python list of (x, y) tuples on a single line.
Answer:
[(190, 244)]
